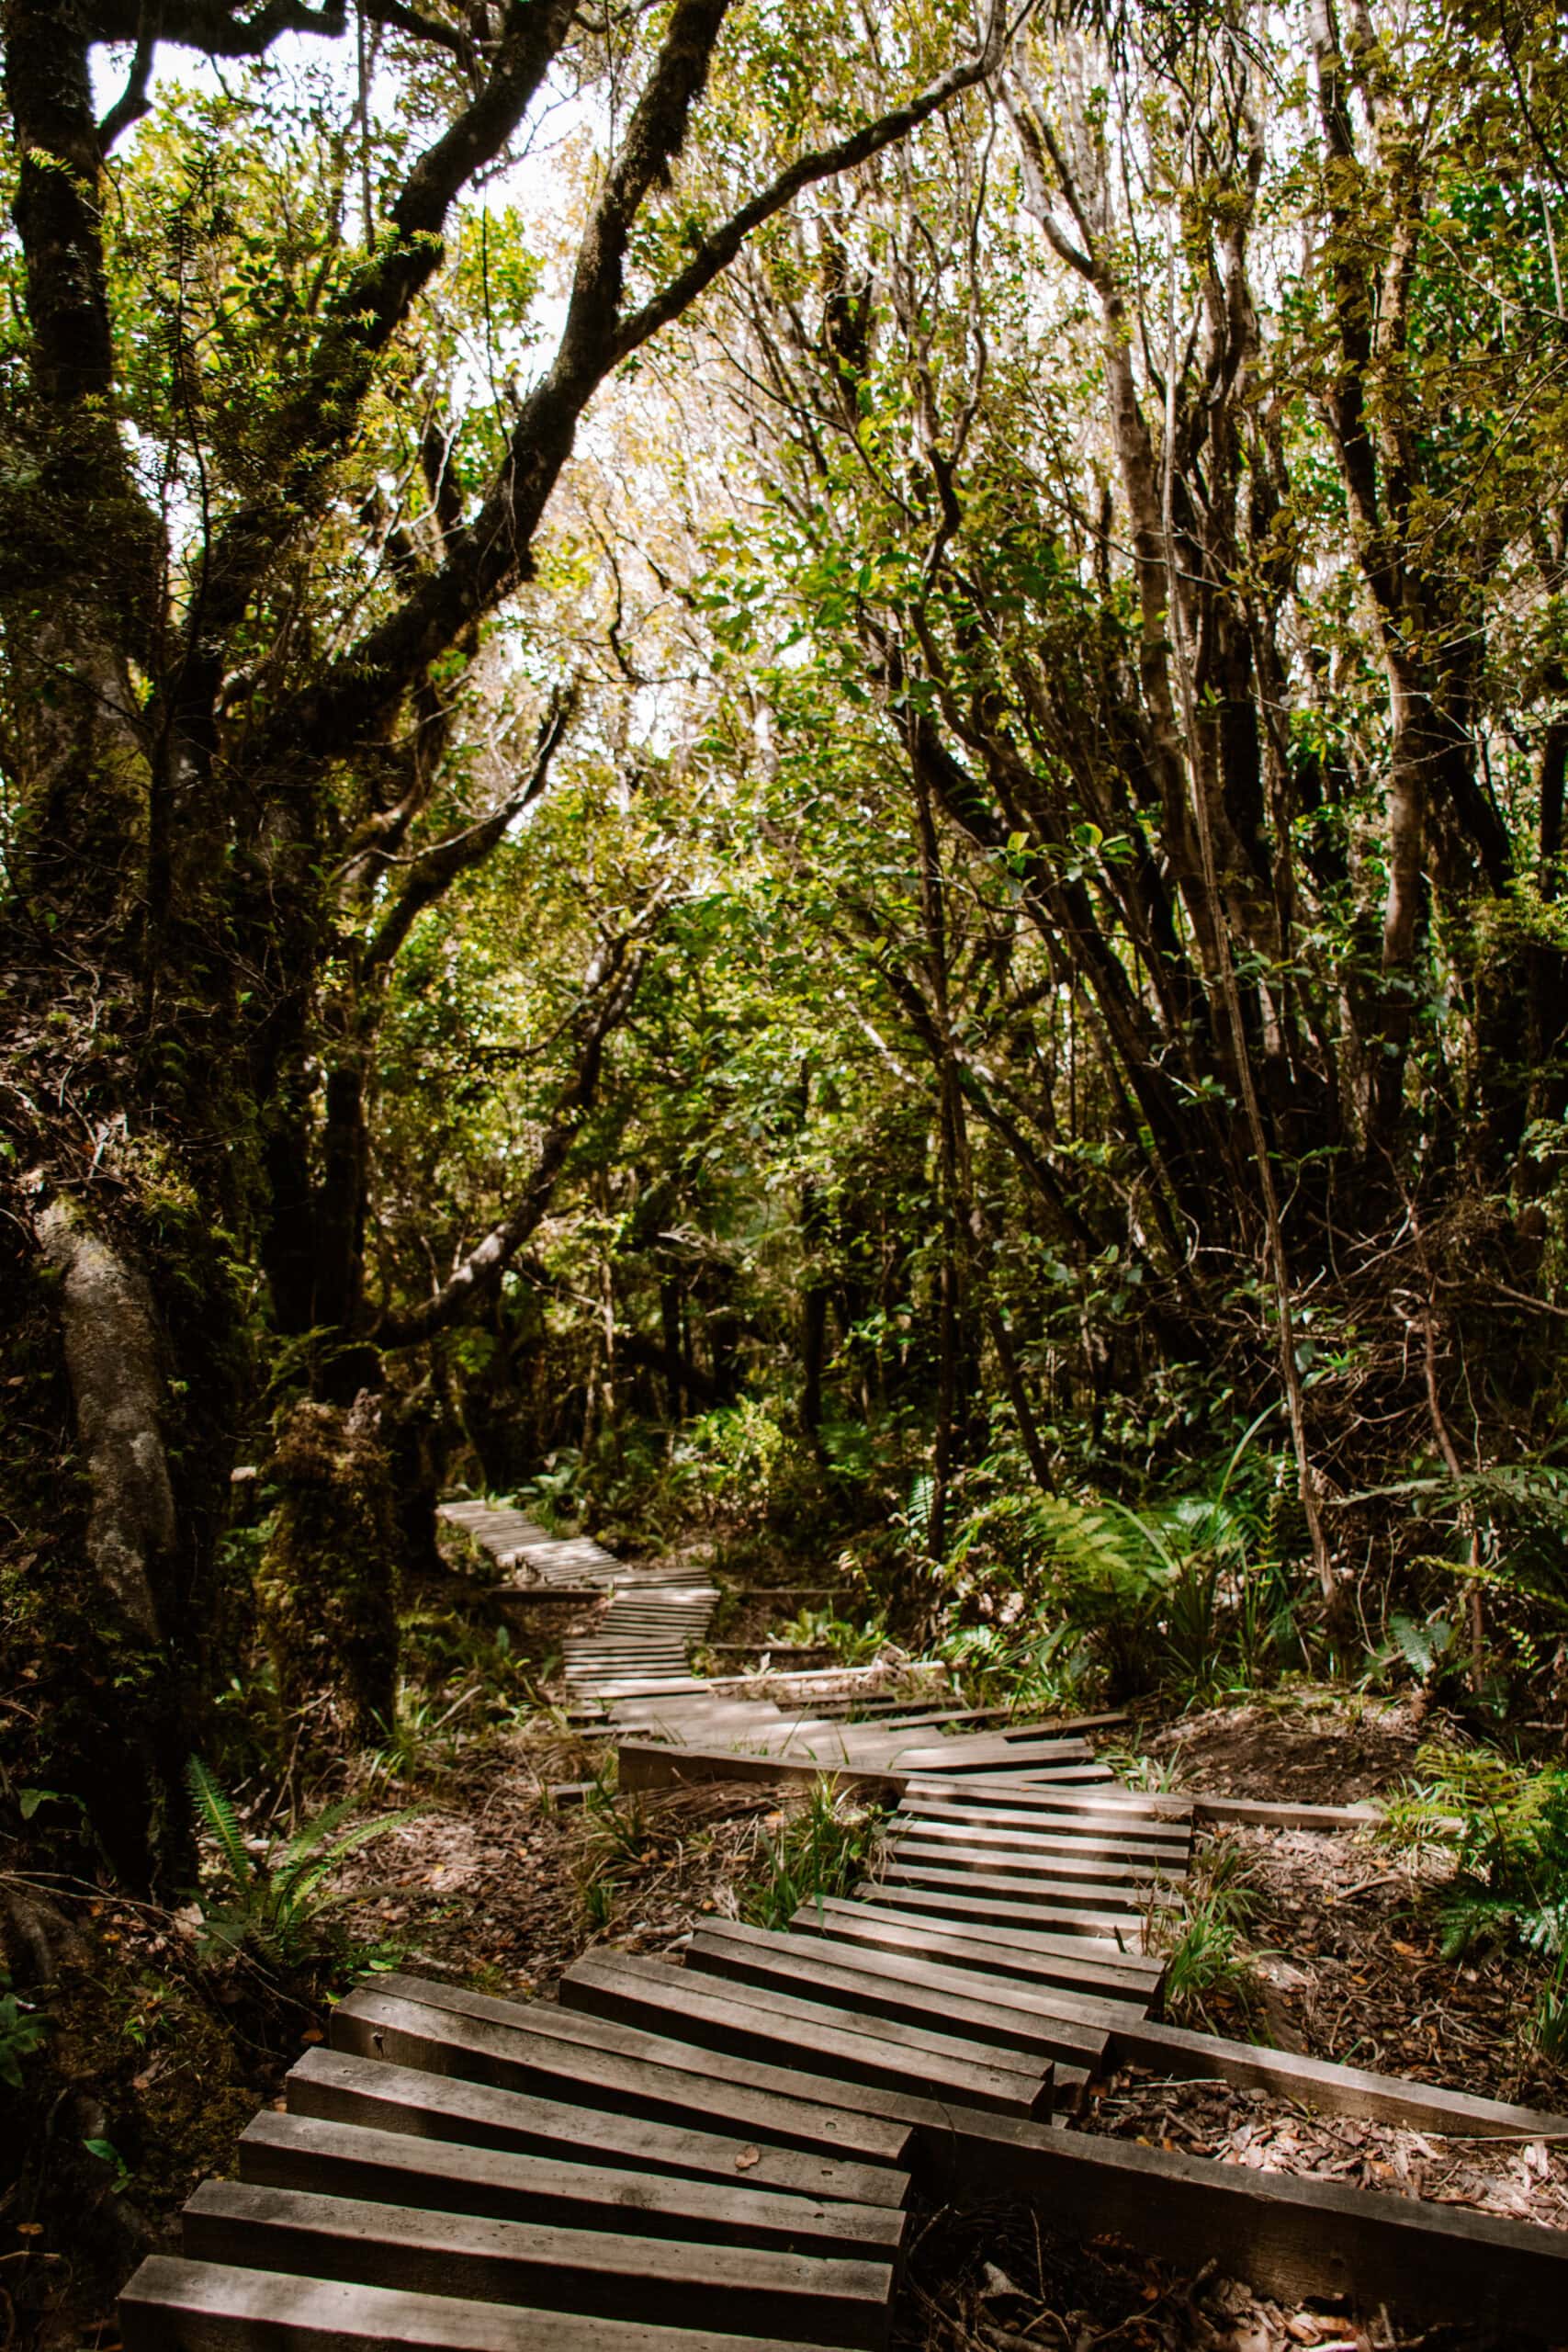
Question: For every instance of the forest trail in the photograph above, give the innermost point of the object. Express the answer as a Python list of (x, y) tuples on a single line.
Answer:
[(721, 2157)]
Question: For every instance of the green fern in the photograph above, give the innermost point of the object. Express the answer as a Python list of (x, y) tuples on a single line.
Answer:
[(276, 1907), (1510, 1889), (216, 1813)]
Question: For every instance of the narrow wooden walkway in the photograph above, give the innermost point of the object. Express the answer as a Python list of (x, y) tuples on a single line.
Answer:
[(716, 2157)]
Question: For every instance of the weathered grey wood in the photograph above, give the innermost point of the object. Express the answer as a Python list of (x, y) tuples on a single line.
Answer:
[(1018, 1863), (634, 2080), (176, 2306), (755, 2023), (1104, 1908), (1289, 2236), (1048, 1831), (612, 2274), (964, 1908), (900, 1989), (964, 1754), (392, 2167), (1045, 1777), (1254, 1812), (645, 1765), (372, 2092), (1108, 1806), (1331, 2088), (1071, 1962)]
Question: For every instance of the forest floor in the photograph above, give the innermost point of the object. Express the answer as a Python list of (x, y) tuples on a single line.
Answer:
[(487, 1877)]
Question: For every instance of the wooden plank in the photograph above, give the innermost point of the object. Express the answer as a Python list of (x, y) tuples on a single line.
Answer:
[(1290, 2237), (376, 2094), (1108, 1806), (902, 1991), (1073, 1898), (616, 2275), (1019, 1863), (1025, 1953), (1048, 1826), (1038, 1776), (522, 2030), (644, 1766), (891, 2065), (1253, 1813), (975, 1832), (507, 1597), (961, 1752), (585, 2038), (943, 1903), (908, 2055), (1330, 2088), (395, 2168), (636, 2081), (172, 2305)]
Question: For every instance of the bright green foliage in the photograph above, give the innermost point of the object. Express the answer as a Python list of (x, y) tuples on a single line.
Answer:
[(1508, 1828), (1196, 1926), (277, 1908), (822, 1847), (1189, 1592), (853, 1642)]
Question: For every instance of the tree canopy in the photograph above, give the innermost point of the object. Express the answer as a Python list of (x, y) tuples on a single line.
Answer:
[(846, 733)]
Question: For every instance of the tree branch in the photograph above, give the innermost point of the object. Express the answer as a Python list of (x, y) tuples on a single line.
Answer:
[(436, 868), (216, 27), (825, 162), (310, 431), (487, 559), (609, 989)]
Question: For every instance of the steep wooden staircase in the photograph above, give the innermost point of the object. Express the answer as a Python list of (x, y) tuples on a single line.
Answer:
[(718, 2156)]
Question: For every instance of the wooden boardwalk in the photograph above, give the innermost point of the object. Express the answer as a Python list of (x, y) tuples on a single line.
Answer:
[(716, 2157)]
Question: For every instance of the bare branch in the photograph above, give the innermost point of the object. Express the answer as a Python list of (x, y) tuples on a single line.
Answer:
[(609, 991), (436, 868)]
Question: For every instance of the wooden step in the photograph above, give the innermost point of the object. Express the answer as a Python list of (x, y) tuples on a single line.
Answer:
[(904, 2060), (395, 2168), (1021, 1863), (1123, 1964), (902, 1989), (1110, 1807), (664, 2080), (1055, 1964), (372, 2092), (609, 2274), (956, 1903), (1043, 1832), (176, 2306)]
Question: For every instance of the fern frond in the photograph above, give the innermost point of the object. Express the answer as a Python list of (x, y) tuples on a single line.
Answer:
[(215, 1810), (298, 1880)]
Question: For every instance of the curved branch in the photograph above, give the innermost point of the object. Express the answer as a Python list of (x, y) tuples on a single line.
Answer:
[(610, 988), (487, 559), (436, 868)]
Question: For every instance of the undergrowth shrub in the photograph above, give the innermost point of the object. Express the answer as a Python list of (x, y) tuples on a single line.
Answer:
[(822, 1848), (1059, 1600), (1196, 1925), (277, 1908), (1507, 1827)]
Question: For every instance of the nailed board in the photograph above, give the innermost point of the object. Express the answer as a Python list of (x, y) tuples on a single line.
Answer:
[(302, 2152), (178, 2306), (612, 2275), (902, 2058), (341, 2087)]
